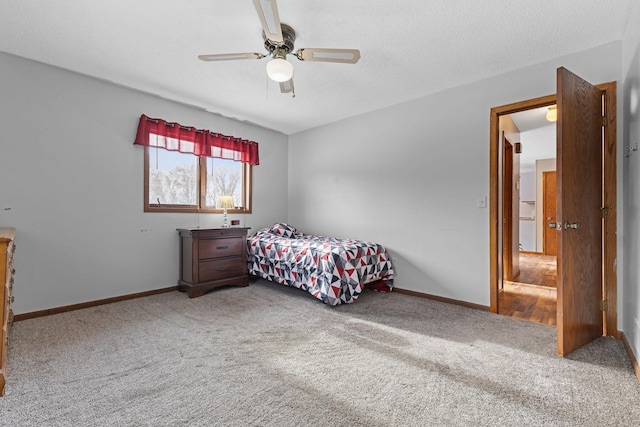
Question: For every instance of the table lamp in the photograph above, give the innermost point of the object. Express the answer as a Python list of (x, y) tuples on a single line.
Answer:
[(225, 202)]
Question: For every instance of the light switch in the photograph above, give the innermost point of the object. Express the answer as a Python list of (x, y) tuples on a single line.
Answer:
[(482, 201)]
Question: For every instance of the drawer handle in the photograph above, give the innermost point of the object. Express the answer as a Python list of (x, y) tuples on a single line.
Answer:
[(222, 247), (223, 268)]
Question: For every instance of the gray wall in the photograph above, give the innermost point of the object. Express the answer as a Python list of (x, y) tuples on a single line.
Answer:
[(409, 176), (630, 297), (71, 182)]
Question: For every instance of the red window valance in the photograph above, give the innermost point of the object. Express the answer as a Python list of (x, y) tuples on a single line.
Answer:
[(201, 142)]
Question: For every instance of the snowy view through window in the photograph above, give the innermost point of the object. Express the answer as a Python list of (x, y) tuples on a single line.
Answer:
[(173, 179)]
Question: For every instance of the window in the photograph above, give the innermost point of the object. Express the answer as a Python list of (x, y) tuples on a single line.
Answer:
[(188, 169), (182, 182)]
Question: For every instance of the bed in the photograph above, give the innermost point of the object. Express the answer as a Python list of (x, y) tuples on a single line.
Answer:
[(333, 270)]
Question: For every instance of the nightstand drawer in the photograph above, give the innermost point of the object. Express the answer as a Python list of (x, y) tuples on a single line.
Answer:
[(218, 248), (222, 268)]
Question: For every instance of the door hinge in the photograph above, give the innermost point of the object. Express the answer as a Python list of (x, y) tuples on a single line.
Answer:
[(603, 211), (604, 120), (604, 305)]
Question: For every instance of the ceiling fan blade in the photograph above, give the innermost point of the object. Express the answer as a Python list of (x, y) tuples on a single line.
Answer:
[(268, 13), (287, 87), (230, 56), (347, 56)]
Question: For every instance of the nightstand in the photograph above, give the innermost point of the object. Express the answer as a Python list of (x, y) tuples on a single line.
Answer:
[(212, 257)]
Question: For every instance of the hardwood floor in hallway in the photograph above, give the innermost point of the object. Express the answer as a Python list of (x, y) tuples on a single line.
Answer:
[(534, 296), (538, 269)]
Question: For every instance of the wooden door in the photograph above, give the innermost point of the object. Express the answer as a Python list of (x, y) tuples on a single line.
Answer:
[(549, 240), (579, 199), (507, 211)]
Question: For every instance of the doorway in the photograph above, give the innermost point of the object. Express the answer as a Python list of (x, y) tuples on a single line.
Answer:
[(529, 290), (609, 279)]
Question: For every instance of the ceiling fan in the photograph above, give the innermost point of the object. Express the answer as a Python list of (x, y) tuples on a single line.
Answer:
[(278, 40)]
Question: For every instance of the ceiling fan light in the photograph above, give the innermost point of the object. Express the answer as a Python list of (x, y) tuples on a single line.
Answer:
[(552, 114), (279, 70)]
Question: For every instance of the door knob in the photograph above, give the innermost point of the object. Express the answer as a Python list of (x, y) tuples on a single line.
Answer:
[(568, 225)]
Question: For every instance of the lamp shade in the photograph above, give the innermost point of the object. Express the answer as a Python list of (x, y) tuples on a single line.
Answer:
[(225, 202), (279, 70), (552, 114)]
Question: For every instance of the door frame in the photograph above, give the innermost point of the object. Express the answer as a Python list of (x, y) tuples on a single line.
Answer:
[(609, 252)]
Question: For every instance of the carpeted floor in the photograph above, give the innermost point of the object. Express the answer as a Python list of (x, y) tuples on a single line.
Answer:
[(267, 355)]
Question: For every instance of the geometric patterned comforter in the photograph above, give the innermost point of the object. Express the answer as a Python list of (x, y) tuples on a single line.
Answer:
[(333, 270)]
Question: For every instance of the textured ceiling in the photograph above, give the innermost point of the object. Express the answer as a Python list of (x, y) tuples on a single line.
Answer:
[(410, 48)]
